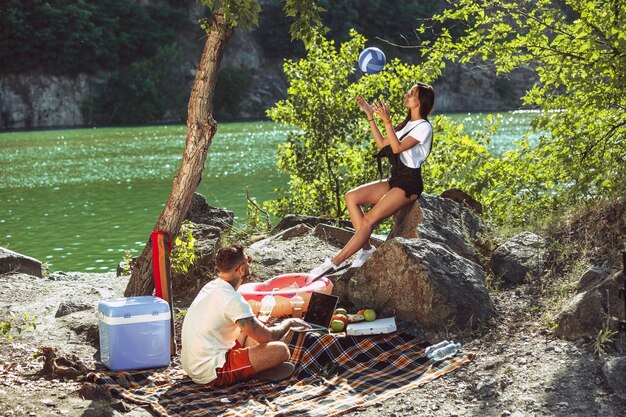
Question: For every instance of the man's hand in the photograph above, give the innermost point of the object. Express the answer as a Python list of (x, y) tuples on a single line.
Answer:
[(296, 324), (255, 329)]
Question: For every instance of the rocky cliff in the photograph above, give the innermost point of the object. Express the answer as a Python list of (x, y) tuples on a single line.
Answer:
[(41, 101)]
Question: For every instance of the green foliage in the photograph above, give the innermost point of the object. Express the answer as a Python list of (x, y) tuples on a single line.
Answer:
[(183, 254), (258, 220), (242, 13), (245, 14), (84, 36), (230, 92), (13, 324), (551, 324), (604, 340), (368, 17), (578, 49), (126, 262), (330, 149), (142, 92)]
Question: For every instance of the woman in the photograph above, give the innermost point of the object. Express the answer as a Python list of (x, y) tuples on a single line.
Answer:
[(407, 145)]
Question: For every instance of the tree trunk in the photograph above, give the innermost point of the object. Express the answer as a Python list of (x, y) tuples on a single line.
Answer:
[(200, 130)]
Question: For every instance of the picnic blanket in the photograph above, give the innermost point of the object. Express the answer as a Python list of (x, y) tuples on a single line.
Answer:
[(334, 374)]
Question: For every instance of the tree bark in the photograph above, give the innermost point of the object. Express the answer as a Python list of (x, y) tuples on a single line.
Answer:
[(201, 128)]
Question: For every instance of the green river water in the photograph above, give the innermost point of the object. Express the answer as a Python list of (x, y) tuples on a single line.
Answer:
[(77, 198)]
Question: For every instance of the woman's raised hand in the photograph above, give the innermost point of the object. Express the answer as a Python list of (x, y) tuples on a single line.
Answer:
[(364, 105), (382, 109)]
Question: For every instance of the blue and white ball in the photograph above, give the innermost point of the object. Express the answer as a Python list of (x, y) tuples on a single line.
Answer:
[(372, 60)]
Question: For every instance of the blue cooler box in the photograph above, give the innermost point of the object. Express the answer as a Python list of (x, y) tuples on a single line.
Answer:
[(134, 333)]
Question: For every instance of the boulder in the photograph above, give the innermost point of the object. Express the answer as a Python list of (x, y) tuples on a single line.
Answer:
[(295, 231), (418, 280), (524, 253), (276, 256), (406, 220), (69, 307), (589, 311), (202, 213), (339, 236), (613, 372), (463, 198), (592, 276), (451, 224), (17, 263), (292, 220)]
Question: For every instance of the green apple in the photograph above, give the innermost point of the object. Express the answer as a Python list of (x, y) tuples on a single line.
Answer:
[(341, 311), (370, 315), (337, 326)]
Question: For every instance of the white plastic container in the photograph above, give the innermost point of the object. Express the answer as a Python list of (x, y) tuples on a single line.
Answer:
[(134, 333), (380, 326)]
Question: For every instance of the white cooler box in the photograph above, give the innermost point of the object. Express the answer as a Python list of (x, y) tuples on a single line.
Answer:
[(134, 333)]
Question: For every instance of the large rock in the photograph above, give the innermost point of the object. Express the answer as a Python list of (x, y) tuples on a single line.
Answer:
[(462, 197), (276, 256), (592, 277), (15, 262), (523, 254), (589, 311), (30, 101), (202, 213), (406, 220), (613, 372), (451, 224), (340, 236), (292, 220), (422, 281)]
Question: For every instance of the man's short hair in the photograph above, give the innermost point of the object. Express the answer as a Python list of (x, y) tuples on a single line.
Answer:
[(228, 258)]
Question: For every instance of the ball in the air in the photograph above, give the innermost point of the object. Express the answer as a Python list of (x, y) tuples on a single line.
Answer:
[(372, 60)]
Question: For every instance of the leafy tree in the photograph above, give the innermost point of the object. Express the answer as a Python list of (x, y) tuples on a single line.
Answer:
[(230, 92), (331, 151), (391, 21), (84, 36), (142, 92), (201, 127), (578, 49)]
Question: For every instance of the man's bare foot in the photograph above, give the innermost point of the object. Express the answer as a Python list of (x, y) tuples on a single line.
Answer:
[(282, 371)]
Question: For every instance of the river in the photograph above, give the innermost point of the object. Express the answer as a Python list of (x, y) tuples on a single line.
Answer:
[(76, 199)]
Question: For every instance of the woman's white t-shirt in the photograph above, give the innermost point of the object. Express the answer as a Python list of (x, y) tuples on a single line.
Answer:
[(209, 329), (422, 131)]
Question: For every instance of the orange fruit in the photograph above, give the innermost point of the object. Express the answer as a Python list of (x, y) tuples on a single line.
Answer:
[(341, 317)]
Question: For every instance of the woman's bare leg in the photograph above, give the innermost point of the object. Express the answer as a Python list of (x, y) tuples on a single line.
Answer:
[(365, 194), (390, 203)]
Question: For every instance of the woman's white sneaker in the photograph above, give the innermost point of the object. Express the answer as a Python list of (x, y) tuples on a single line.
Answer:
[(325, 266), (362, 256)]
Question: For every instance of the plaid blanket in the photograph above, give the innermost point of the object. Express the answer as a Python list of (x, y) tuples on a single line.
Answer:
[(333, 374)]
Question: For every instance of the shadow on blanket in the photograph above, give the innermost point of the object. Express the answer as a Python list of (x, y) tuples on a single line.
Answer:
[(333, 375)]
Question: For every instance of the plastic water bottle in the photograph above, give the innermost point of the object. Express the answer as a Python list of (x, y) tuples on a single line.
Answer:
[(430, 349), (267, 305), (446, 351)]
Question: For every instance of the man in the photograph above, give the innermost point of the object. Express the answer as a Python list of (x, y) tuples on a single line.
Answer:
[(222, 341)]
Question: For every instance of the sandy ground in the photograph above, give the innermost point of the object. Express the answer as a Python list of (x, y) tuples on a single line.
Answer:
[(520, 369)]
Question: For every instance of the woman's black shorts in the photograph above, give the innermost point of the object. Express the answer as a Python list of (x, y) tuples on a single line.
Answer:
[(411, 186)]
